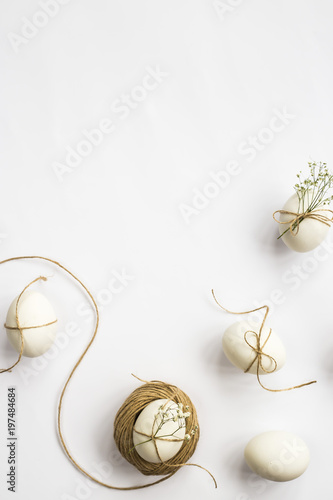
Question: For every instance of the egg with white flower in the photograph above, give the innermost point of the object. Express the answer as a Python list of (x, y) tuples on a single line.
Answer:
[(160, 430), (311, 231)]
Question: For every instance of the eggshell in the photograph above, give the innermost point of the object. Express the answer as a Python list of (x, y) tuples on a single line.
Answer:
[(147, 424), (311, 232), (242, 355), (277, 455), (34, 309)]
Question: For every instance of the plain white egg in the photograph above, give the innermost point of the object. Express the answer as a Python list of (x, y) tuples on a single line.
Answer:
[(277, 455), (241, 355), (34, 309), (311, 232), (148, 424)]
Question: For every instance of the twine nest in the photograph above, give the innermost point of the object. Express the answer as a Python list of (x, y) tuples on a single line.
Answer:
[(126, 418)]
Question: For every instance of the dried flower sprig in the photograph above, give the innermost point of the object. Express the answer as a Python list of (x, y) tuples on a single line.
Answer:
[(176, 413), (312, 190)]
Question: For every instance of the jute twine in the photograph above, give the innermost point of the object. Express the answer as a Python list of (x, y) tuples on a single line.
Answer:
[(21, 328), (297, 218), (258, 349), (125, 423), (160, 386)]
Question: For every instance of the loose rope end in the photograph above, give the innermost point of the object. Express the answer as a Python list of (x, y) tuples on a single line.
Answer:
[(213, 478), (312, 382), (140, 379), (202, 468)]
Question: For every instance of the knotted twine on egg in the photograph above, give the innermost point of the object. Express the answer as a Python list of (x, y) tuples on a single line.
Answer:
[(21, 336), (296, 218)]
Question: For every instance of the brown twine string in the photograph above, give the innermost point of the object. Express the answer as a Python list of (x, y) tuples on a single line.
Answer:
[(299, 217), (21, 328), (29, 327), (60, 405), (258, 349)]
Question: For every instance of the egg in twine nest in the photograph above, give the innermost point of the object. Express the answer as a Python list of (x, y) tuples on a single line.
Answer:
[(173, 400), (168, 437)]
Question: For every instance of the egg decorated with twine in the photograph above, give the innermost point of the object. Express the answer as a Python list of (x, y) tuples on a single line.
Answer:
[(310, 232), (159, 430), (240, 345), (156, 429), (37, 321), (255, 348)]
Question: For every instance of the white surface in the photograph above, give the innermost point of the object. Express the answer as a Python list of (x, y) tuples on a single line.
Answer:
[(119, 211)]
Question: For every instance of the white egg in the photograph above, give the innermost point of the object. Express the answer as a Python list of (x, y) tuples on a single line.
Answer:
[(147, 423), (311, 232), (277, 455), (33, 310), (241, 355)]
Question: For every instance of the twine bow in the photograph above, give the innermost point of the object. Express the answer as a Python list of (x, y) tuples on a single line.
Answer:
[(299, 217), (258, 349)]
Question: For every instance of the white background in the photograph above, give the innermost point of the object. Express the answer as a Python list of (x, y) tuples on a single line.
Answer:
[(120, 210)]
